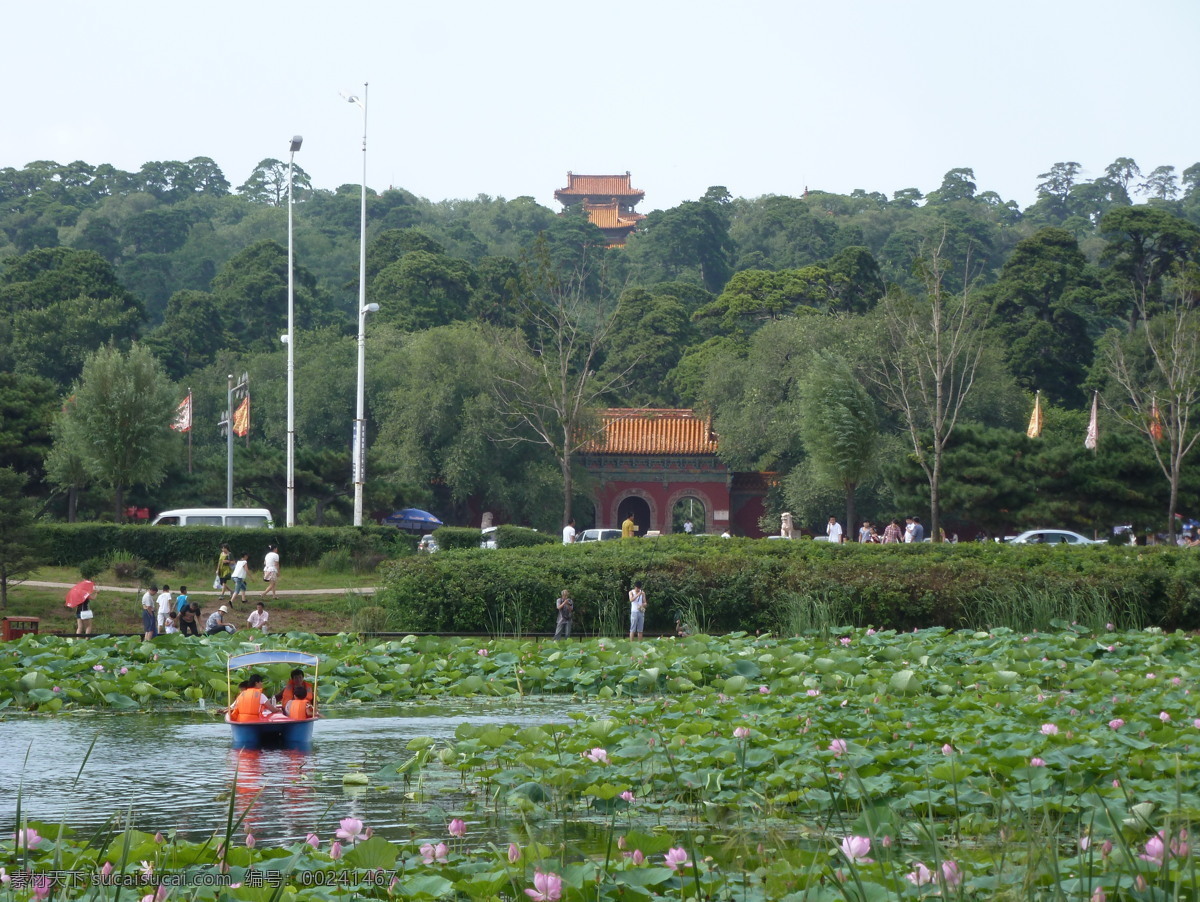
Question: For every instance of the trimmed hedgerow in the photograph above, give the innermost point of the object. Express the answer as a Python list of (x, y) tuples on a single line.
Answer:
[(754, 585), (68, 544)]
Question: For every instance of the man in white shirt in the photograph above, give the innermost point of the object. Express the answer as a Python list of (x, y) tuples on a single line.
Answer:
[(241, 572), (569, 532), (148, 618), (258, 618), (164, 607), (909, 529), (833, 529)]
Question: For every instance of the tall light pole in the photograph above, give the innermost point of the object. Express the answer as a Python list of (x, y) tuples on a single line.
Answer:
[(297, 140), (359, 449)]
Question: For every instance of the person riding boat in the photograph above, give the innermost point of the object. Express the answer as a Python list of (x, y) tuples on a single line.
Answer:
[(299, 708), (289, 689), (251, 704)]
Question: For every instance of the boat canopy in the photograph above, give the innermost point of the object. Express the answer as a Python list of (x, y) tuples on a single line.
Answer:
[(256, 658)]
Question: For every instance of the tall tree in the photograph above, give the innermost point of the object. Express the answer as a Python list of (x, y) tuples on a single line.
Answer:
[(117, 421), (548, 384), (1157, 369), (1161, 183), (1144, 244), (20, 547), (268, 183), (840, 428), (930, 354)]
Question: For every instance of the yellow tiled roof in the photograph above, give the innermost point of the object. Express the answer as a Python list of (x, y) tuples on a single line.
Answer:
[(600, 186), (609, 216), (652, 431)]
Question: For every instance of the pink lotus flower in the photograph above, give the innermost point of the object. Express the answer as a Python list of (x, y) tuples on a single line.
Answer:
[(627, 796), (845, 640), (99, 668), (1110, 627), (813, 693), (514, 853), (351, 830), (741, 732), (313, 840), (676, 858), (250, 841), (886, 842), (1049, 729), (123, 671), (483, 652), (1179, 847), (1116, 723), (1036, 762), (1155, 850), (431, 853), (335, 850), (870, 631), (1099, 895), (158, 895), (920, 875), (856, 848), (947, 749), (838, 747), (764, 690), (1085, 843), (636, 856), (546, 887), (148, 866), (27, 838), (457, 828), (951, 874), (159, 839), (1164, 716), (106, 869), (597, 756), (42, 887)]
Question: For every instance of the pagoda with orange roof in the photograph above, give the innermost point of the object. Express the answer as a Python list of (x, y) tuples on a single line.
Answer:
[(660, 466), (608, 200)]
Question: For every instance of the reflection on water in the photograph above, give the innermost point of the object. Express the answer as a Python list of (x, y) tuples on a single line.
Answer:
[(174, 772)]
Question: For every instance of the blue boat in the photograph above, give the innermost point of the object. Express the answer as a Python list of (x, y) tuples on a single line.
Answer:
[(277, 731)]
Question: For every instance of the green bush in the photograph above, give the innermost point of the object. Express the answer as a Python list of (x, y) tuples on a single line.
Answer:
[(521, 537), (372, 619), (455, 538), (336, 560), (69, 544), (743, 584), (92, 567)]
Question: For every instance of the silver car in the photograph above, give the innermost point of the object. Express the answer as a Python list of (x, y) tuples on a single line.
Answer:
[(598, 535), (1053, 537)]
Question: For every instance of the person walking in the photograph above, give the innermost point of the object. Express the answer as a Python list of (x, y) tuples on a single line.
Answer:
[(865, 532), (224, 570), (569, 532), (566, 609), (637, 611), (83, 616), (271, 571), (891, 533), (241, 572)]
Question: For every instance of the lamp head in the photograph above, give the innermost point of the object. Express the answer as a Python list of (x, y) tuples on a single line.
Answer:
[(297, 140), (371, 308)]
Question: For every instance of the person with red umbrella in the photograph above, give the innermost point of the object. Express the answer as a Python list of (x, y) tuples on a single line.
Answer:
[(79, 597)]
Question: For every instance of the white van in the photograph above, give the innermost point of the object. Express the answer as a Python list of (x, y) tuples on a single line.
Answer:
[(246, 517)]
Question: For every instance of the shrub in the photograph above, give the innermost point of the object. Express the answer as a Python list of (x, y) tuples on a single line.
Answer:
[(126, 566), (521, 537), (451, 538), (367, 561), (92, 567), (336, 560), (371, 619)]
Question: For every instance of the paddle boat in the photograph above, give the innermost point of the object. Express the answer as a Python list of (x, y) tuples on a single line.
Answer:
[(273, 730)]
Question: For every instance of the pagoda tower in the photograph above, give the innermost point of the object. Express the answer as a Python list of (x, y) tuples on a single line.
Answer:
[(608, 200)]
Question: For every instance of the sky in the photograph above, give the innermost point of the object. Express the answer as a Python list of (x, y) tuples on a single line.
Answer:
[(468, 98)]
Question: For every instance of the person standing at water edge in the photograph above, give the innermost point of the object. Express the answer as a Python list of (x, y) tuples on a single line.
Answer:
[(148, 618), (637, 611), (164, 607), (271, 571), (569, 532), (566, 608)]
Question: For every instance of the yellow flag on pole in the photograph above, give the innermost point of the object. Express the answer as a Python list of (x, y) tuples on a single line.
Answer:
[(241, 417), (1035, 419)]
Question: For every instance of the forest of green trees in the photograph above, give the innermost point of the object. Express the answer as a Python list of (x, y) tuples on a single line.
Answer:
[(880, 354)]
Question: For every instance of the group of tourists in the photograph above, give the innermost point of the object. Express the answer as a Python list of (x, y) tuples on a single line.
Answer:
[(164, 614), (868, 533), (294, 701), (238, 571), (565, 608)]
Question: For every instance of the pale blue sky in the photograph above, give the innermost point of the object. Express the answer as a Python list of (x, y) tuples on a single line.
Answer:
[(469, 97)]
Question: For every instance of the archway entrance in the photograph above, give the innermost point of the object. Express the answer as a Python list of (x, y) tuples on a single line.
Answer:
[(689, 508), (637, 508)]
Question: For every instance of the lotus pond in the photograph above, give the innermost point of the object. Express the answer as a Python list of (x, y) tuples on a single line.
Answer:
[(854, 765)]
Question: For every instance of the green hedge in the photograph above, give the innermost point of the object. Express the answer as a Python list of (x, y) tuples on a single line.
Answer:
[(521, 537), (451, 538), (69, 544), (731, 584)]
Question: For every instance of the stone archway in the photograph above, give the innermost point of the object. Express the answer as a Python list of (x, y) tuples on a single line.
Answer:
[(689, 504), (640, 508)]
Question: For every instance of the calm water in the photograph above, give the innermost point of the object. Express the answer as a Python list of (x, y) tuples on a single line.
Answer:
[(176, 771)]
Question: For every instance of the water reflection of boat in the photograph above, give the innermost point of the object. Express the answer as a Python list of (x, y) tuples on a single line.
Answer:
[(274, 731), (271, 790)]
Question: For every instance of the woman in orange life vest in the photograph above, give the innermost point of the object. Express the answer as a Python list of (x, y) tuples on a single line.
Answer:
[(299, 708), (251, 703), (289, 689)]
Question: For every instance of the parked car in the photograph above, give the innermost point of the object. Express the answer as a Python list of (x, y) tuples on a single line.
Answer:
[(598, 535), (428, 544), (1053, 537), (244, 517), (488, 537)]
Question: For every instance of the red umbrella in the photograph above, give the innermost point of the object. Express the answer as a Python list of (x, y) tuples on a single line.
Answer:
[(80, 592)]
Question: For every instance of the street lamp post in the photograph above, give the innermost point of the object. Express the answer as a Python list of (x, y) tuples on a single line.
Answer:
[(297, 140), (359, 449), (360, 424)]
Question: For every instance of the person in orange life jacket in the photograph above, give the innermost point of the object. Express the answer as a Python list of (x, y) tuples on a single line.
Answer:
[(292, 685), (251, 703), (299, 708)]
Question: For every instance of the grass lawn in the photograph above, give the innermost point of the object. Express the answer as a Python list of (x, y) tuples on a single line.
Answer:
[(121, 612)]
